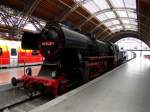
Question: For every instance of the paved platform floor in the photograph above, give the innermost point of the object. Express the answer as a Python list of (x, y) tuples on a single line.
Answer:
[(7, 74), (125, 89)]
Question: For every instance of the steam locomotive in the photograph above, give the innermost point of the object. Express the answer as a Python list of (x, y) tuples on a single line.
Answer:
[(70, 58)]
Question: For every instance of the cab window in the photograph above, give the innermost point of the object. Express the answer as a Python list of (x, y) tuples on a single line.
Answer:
[(13, 52), (1, 51)]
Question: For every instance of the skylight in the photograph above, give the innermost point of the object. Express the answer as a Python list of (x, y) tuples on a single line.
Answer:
[(115, 14)]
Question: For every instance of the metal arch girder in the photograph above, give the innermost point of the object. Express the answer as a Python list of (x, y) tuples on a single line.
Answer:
[(115, 9), (114, 26), (104, 11), (31, 9), (101, 33), (16, 26), (77, 4), (115, 19), (36, 22), (71, 8), (108, 37), (15, 18), (87, 19), (66, 13), (126, 11), (108, 10), (111, 19), (141, 35), (146, 26), (103, 37), (4, 15), (123, 18), (77, 11), (83, 1), (117, 16), (111, 37)]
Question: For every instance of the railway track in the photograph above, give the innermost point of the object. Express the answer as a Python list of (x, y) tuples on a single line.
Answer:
[(16, 100), (27, 105)]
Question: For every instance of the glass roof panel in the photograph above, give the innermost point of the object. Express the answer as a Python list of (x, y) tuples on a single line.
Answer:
[(108, 23), (114, 31), (130, 3), (1, 21), (122, 13), (91, 7), (113, 28), (102, 4), (115, 22), (125, 21), (105, 16), (119, 27), (130, 27), (132, 15), (110, 14), (127, 26), (117, 3), (102, 17), (116, 28), (133, 29), (133, 21)]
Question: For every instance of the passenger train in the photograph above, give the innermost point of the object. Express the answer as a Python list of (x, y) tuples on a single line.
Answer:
[(70, 58), (12, 55)]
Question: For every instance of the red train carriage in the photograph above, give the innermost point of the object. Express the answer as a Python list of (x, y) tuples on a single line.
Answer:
[(12, 55), (29, 57), (4, 56)]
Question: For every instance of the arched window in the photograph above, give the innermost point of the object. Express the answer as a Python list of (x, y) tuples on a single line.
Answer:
[(134, 45), (130, 43)]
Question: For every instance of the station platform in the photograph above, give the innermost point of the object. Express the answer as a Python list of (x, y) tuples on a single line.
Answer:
[(124, 89), (7, 74)]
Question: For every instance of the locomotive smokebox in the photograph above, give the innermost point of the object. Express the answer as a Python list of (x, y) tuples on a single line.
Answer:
[(50, 42)]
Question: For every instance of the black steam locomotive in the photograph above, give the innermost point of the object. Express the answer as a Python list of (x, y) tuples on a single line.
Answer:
[(70, 58)]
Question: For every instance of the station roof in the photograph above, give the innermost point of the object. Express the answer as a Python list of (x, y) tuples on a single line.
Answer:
[(105, 18), (115, 14)]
